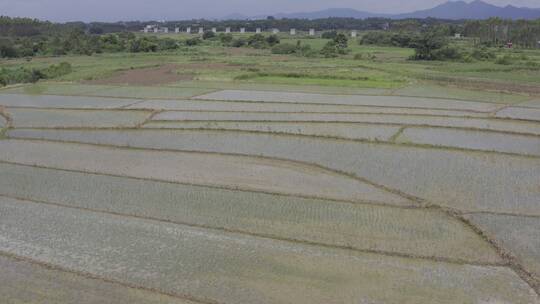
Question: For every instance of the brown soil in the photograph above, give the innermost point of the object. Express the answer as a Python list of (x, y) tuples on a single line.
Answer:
[(165, 74), (146, 77)]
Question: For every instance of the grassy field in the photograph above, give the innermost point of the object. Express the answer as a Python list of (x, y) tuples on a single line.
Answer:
[(384, 69)]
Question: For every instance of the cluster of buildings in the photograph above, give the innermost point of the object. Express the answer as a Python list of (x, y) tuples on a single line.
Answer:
[(200, 30)]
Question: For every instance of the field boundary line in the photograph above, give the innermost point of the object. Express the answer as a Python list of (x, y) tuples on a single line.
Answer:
[(142, 128), (520, 270), (399, 193), (271, 236), (393, 138), (198, 98), (410, 204), (482, 118), (60, 109), (91, 276), (386, 89), (511, 260), (340, 104), (501, 214), (148, 119), (331, 113), (126, 106), (211, 91), (355, 122), (411, 126), (417, 201)]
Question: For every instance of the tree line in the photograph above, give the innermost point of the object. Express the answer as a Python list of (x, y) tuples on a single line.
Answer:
[(499, 32)]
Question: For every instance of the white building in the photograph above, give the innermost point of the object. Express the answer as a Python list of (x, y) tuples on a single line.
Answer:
[(227, 30), (201, 30), (154, 28), (150, 28), (354, 34), (312, 32), (275, 31), (188, 30), (214, 30), (258, 30), (293, 32), (242, 30)]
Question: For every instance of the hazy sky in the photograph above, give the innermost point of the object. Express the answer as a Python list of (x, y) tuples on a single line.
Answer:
[(115, 10)]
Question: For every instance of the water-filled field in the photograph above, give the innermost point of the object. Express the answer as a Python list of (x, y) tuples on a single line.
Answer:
[(474, 140), (239, 106), (520, 113), (392, 119), (387, 101), (199, 195), (55, 118), (329, 129), (237, 268)]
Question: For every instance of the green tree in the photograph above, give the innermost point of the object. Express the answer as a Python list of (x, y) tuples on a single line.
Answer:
[(342, 43), (426, 45), (272, 40), (208, 35), (330, 49)]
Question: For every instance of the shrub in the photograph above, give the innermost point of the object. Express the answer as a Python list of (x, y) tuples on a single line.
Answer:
[(447, 53), (193, 41), (226, 39), (377, 38), (305, 51), (329, 35), (335, 47), (8, 51), (58, 70), (483, 53), (284, 48), (257, 41), (298, 49), (330, 49), (505, 60), (238, 43), (144, 44), (532, 64), (25, 75), (168, 44), (404, 40), (208, 35), (272, 40)]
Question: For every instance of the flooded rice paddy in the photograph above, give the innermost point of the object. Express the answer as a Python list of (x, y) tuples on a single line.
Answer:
[(266, 197)]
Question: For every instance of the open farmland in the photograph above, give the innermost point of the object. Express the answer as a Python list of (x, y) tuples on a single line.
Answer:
[(267, 194)]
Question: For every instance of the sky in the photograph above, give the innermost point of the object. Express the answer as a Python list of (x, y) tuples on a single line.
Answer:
[(126, 10)]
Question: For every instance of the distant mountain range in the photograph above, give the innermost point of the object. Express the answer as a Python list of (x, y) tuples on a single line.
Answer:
[(453, 10)]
